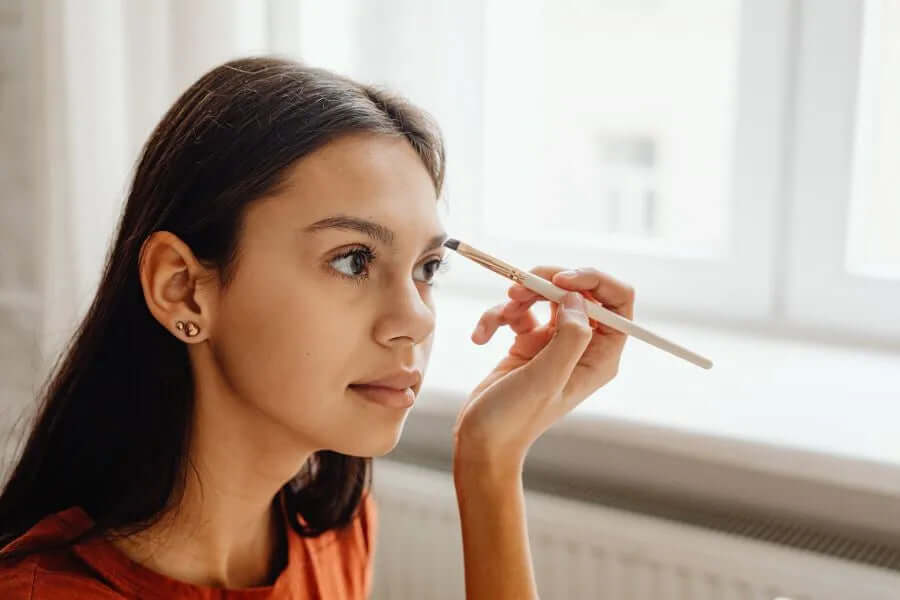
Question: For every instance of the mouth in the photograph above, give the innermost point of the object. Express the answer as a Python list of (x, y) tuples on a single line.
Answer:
[(386, 396)]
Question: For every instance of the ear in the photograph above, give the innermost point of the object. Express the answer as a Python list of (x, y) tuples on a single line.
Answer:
[(177, 288)]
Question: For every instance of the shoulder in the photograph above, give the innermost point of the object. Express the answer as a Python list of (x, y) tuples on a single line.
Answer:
[(17, 581), (51, 575), (343, 558)]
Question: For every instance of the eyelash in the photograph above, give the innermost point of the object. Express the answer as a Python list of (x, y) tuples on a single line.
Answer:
[(369, 253)]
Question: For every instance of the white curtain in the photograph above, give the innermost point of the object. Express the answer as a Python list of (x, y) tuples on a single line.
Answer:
[(104, 73)]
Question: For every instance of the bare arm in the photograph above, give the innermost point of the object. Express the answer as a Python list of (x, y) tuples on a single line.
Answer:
[(496, 555)]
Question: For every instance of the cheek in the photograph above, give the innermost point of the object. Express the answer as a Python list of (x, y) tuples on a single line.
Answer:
[(293, 366), (280, 348)]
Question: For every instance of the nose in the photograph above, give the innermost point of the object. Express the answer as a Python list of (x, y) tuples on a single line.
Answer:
[(405, 313)]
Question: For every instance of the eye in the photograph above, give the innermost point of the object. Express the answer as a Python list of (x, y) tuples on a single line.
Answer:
[(433, 267), (355, 260)]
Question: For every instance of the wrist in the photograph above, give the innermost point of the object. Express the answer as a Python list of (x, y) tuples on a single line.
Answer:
[(485, 468)]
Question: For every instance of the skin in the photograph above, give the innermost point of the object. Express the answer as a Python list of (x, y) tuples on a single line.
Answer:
[(278, 347)]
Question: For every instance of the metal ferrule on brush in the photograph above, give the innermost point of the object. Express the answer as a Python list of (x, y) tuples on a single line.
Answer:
[(494, 264)]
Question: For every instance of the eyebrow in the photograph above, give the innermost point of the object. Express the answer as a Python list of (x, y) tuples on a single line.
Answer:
[(374, 230)]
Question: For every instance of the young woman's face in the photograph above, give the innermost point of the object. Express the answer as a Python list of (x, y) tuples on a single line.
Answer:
[(310, 311)]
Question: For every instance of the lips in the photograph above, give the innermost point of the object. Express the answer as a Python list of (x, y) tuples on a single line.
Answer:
[(397, 380), (389, 397)]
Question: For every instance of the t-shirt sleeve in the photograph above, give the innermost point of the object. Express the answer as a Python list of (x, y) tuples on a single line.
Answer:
[(17, 583), (28, 580)]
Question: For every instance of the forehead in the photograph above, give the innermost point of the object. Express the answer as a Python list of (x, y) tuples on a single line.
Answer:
[(371, 176)]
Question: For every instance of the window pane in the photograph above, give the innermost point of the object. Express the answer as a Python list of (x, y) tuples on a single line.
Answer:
[(612, 122), (874, 242)]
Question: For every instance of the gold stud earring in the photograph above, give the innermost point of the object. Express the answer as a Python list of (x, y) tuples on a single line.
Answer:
[(190, 328)]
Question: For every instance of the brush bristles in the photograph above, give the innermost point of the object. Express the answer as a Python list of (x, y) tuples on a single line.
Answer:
[(451, 243)]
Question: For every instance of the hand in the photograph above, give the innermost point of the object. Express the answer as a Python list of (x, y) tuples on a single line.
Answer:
[(549, 369)]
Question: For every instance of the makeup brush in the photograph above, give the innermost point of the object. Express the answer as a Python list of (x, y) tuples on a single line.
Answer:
[(594, 309)]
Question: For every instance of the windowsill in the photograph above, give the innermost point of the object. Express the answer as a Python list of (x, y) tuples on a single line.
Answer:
[(799, 411)]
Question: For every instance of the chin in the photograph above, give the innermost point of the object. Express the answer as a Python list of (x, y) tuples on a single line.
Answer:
[(386, 447), (375, 443)]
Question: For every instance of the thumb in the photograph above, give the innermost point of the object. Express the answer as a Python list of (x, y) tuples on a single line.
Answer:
[(551, 368)]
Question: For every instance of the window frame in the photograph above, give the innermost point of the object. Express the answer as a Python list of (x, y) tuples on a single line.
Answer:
[(820, 292)]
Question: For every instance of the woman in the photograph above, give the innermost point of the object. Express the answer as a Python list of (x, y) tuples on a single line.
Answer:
[(208, 431)]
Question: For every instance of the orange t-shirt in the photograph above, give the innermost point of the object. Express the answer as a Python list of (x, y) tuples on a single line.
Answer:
[(336, 565)]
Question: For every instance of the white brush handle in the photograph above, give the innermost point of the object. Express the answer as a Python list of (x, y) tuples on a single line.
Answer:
[(597, 312)]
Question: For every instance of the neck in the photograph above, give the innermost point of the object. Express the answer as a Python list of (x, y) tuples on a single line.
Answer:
[(226, 531)]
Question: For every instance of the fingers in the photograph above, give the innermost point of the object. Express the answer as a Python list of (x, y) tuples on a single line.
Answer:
[(612, 293), (609, 291), (517, 291), (554, 364), (513, 313), (592, 283)]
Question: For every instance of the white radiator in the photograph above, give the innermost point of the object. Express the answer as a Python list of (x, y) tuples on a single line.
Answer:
[(582, 551)]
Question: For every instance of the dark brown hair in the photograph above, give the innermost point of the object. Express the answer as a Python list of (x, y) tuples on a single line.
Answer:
[(111, 431)]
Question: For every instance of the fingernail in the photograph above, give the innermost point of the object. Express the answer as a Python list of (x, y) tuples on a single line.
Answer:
[(478, 331), (567, 273)]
